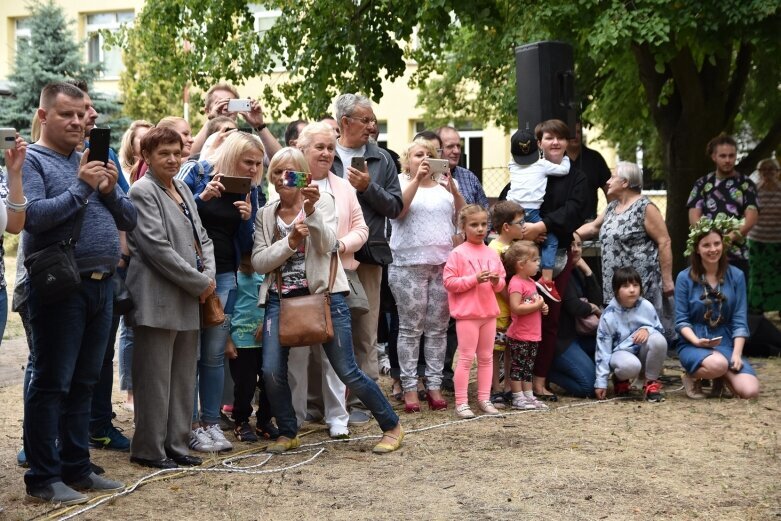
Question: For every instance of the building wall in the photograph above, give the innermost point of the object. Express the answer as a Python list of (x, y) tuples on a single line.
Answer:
[(398, 107)]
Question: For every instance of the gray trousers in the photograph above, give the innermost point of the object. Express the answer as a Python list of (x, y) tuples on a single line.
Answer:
[(164, 364), (650, 359)]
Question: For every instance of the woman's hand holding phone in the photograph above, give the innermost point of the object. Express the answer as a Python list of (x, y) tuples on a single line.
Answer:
[(214, 188)]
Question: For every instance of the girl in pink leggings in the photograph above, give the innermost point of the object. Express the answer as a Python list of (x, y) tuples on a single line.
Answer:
[(473, 273)]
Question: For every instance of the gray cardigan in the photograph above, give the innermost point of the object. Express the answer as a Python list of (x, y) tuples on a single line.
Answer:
[(268, 255), (162, 276)]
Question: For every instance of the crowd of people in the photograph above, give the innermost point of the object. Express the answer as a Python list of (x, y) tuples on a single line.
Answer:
[(405, 246)]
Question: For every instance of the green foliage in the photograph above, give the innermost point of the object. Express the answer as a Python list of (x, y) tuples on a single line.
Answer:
[(52, 54)]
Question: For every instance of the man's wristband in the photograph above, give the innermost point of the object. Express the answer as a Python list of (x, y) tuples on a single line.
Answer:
[(260, 127)]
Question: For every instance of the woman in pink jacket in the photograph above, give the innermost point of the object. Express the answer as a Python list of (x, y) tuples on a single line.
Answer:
[(310, 367), (473, 273)]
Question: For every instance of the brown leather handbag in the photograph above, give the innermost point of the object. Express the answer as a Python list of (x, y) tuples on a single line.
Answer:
[(212, 313), (306, 320)]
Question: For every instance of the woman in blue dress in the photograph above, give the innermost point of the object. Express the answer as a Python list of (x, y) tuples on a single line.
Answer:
[(710, 312)]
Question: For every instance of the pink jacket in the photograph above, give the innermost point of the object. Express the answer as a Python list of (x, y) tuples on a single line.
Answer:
[(467, 298), (351, 229)]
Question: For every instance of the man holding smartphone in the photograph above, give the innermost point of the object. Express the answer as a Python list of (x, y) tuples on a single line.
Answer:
[(379, 194), (217, 99), (70, 335)]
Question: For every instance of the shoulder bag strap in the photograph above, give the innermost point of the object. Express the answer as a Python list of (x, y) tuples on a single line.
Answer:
[(76, 233)]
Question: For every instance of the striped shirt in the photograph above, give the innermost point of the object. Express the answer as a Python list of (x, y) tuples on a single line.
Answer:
[(768, 227)]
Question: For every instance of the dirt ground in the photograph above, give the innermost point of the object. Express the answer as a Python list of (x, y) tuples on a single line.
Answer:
[(615, 460)]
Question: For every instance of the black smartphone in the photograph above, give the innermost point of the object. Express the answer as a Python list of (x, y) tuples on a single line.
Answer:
[(99, 139), (235, 184), (358, 163)]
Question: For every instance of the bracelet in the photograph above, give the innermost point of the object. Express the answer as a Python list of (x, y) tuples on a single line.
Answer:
[(260, 127), (16, 207)]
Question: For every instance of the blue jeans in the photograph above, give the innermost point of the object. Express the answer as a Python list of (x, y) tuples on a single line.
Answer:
[(339, 352), (69, 341), (547, 248), (574, 369), (211, 362)]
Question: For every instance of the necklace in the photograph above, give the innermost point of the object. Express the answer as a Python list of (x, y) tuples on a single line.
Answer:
[(713, 299)]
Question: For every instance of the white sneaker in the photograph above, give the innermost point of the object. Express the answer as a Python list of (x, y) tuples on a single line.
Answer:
[(221, 443), (522, 404), (488, 408), (537, 404), (463, 411), (200, 441)]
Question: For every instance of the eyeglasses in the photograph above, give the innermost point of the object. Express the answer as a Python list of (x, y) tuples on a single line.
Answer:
[(520, 221), (364, 120)]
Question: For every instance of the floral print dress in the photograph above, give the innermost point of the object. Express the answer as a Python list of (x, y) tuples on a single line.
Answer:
[(626, 243)]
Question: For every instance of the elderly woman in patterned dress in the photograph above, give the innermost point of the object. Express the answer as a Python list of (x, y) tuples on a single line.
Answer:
[(632, 233)]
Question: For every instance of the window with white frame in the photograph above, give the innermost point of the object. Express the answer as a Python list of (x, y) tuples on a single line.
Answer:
[(23, 34), (264, 19), (110, 59)]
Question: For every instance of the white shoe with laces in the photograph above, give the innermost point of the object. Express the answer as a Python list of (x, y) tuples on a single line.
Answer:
[(221, 443), (522, 404), (200, 441)]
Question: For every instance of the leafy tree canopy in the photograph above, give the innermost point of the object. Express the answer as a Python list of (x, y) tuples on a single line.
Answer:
[(51, 54), (668, 74)]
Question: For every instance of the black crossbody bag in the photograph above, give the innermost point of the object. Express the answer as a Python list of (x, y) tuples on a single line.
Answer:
[(52, 271)]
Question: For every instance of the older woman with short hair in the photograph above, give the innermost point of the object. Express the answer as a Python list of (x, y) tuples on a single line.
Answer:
[(295, 237), (633, 233), (172, 270), (318, 143)]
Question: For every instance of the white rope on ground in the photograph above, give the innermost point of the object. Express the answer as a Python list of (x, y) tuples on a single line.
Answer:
[(229, 464)]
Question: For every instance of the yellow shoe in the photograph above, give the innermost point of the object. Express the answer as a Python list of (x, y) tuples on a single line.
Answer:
[(385, 448), (283, 445)]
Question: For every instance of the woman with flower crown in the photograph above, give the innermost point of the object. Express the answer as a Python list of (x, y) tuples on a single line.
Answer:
[(710, 313)]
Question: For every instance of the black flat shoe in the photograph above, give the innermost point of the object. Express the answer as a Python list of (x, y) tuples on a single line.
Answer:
[(547, 397), (186, 460), (165, 463)]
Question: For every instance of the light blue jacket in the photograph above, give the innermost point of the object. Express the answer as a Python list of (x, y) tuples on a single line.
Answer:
[(616, 327)]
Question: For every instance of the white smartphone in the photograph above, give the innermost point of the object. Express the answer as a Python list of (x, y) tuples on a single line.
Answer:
[(7, 138), (239, 105), (716, 339)]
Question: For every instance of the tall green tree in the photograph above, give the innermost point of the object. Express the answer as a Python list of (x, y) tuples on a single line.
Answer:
[(51, 54), (667, 74)]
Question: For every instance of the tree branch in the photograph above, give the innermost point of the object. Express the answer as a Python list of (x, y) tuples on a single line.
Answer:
[(688, 82), (738, 82), (653, 82), (763, 149)]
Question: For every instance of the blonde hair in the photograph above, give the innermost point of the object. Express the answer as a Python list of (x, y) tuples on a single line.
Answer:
[(420, 142), (228, 155), (284, 155), (171, 122), (470, 209), (519, 251), (126, 156)]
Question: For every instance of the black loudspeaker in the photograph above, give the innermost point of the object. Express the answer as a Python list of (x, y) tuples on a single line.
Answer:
[(545, 84)]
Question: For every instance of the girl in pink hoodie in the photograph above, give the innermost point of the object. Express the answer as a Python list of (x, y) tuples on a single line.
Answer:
[(473, 273)]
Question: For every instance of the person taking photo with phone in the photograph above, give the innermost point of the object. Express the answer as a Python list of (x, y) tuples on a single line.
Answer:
[(228, 218), (295, 239)]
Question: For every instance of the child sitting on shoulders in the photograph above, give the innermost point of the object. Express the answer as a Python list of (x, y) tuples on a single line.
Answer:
[(507, 220), (522, 259), (473, 273), (630, 340), (246, 357)]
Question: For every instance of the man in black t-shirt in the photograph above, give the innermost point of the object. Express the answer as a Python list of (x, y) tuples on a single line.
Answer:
[(591, 163)]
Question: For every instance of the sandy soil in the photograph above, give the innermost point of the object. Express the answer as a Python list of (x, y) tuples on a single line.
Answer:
[(615, 460)]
